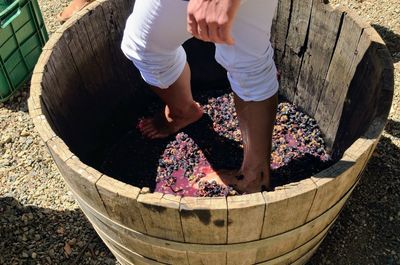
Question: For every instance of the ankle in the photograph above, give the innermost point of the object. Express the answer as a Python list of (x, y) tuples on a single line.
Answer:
[(185, 111), (255, 169)]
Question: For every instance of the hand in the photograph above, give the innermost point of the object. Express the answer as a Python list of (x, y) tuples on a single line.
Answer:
[(212, 20)]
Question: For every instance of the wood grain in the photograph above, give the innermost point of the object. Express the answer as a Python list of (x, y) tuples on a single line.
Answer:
[(204, 220), (295, 46), (324, 28), (245, 217), (161, 215), (120, 201), (340, 73)]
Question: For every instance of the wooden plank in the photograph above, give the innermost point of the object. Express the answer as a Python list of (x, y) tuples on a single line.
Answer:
[(95, 28), (83, 181), (164, 254), (243, 257), (276, 201), (341, 70), (245, 222), (280, 29), (250, 206), (161, 215), (114, 80), (332, 184), (286, 242), (76, 174), (120, 201), (304, 259), (199, 258), (295, 45), (273, 27), (266, 247), (114, 229), (70, 101), (168, 256), (299, 23), (41, 63), (117, 232), (204, 220), (51, 97), (127, 255), (362, 100), (87, 67), (299, 252), (288, 208), (53, 40), (43, 128), (325, 24), (127, 75), (62, 84), (33, 107), (59, 151)]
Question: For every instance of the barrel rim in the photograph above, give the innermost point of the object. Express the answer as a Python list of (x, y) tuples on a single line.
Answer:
[(372, 134)]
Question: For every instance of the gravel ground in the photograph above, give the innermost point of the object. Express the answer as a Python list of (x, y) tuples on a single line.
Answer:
[(40, 223)]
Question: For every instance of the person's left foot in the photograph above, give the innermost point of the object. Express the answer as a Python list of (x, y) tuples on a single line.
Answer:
[(255, 180), (239, 181)]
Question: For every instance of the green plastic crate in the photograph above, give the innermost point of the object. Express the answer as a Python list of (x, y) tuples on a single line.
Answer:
[(22, 37)]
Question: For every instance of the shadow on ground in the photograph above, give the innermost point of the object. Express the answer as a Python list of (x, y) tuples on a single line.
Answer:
[(40, 236), (391, 39), (368, 229)]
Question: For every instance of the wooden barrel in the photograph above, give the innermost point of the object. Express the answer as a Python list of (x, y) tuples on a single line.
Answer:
[(333, 66)]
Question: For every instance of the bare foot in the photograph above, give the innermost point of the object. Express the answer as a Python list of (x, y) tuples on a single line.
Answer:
[(168, 123), (254, 180), (240, 182)]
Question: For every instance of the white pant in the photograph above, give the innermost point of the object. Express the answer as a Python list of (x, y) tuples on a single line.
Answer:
[(156, 29)]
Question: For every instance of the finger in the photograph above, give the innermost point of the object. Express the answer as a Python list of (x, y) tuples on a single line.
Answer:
[(202, 30), (225, 35), (192, 25), (213, 33)]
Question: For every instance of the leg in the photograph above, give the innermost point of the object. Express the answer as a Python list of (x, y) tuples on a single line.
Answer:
[(252, 74), (180, 109), (152, 40), (256, 120)]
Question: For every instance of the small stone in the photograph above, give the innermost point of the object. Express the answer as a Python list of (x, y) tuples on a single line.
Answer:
[(81, 244), (72, 242), (24, 133), (34, 255), (25, 255), (6, 139), (60, 230), (67, 249)]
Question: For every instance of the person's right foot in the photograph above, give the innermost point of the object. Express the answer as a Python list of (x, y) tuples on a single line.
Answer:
[(167, 123)]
